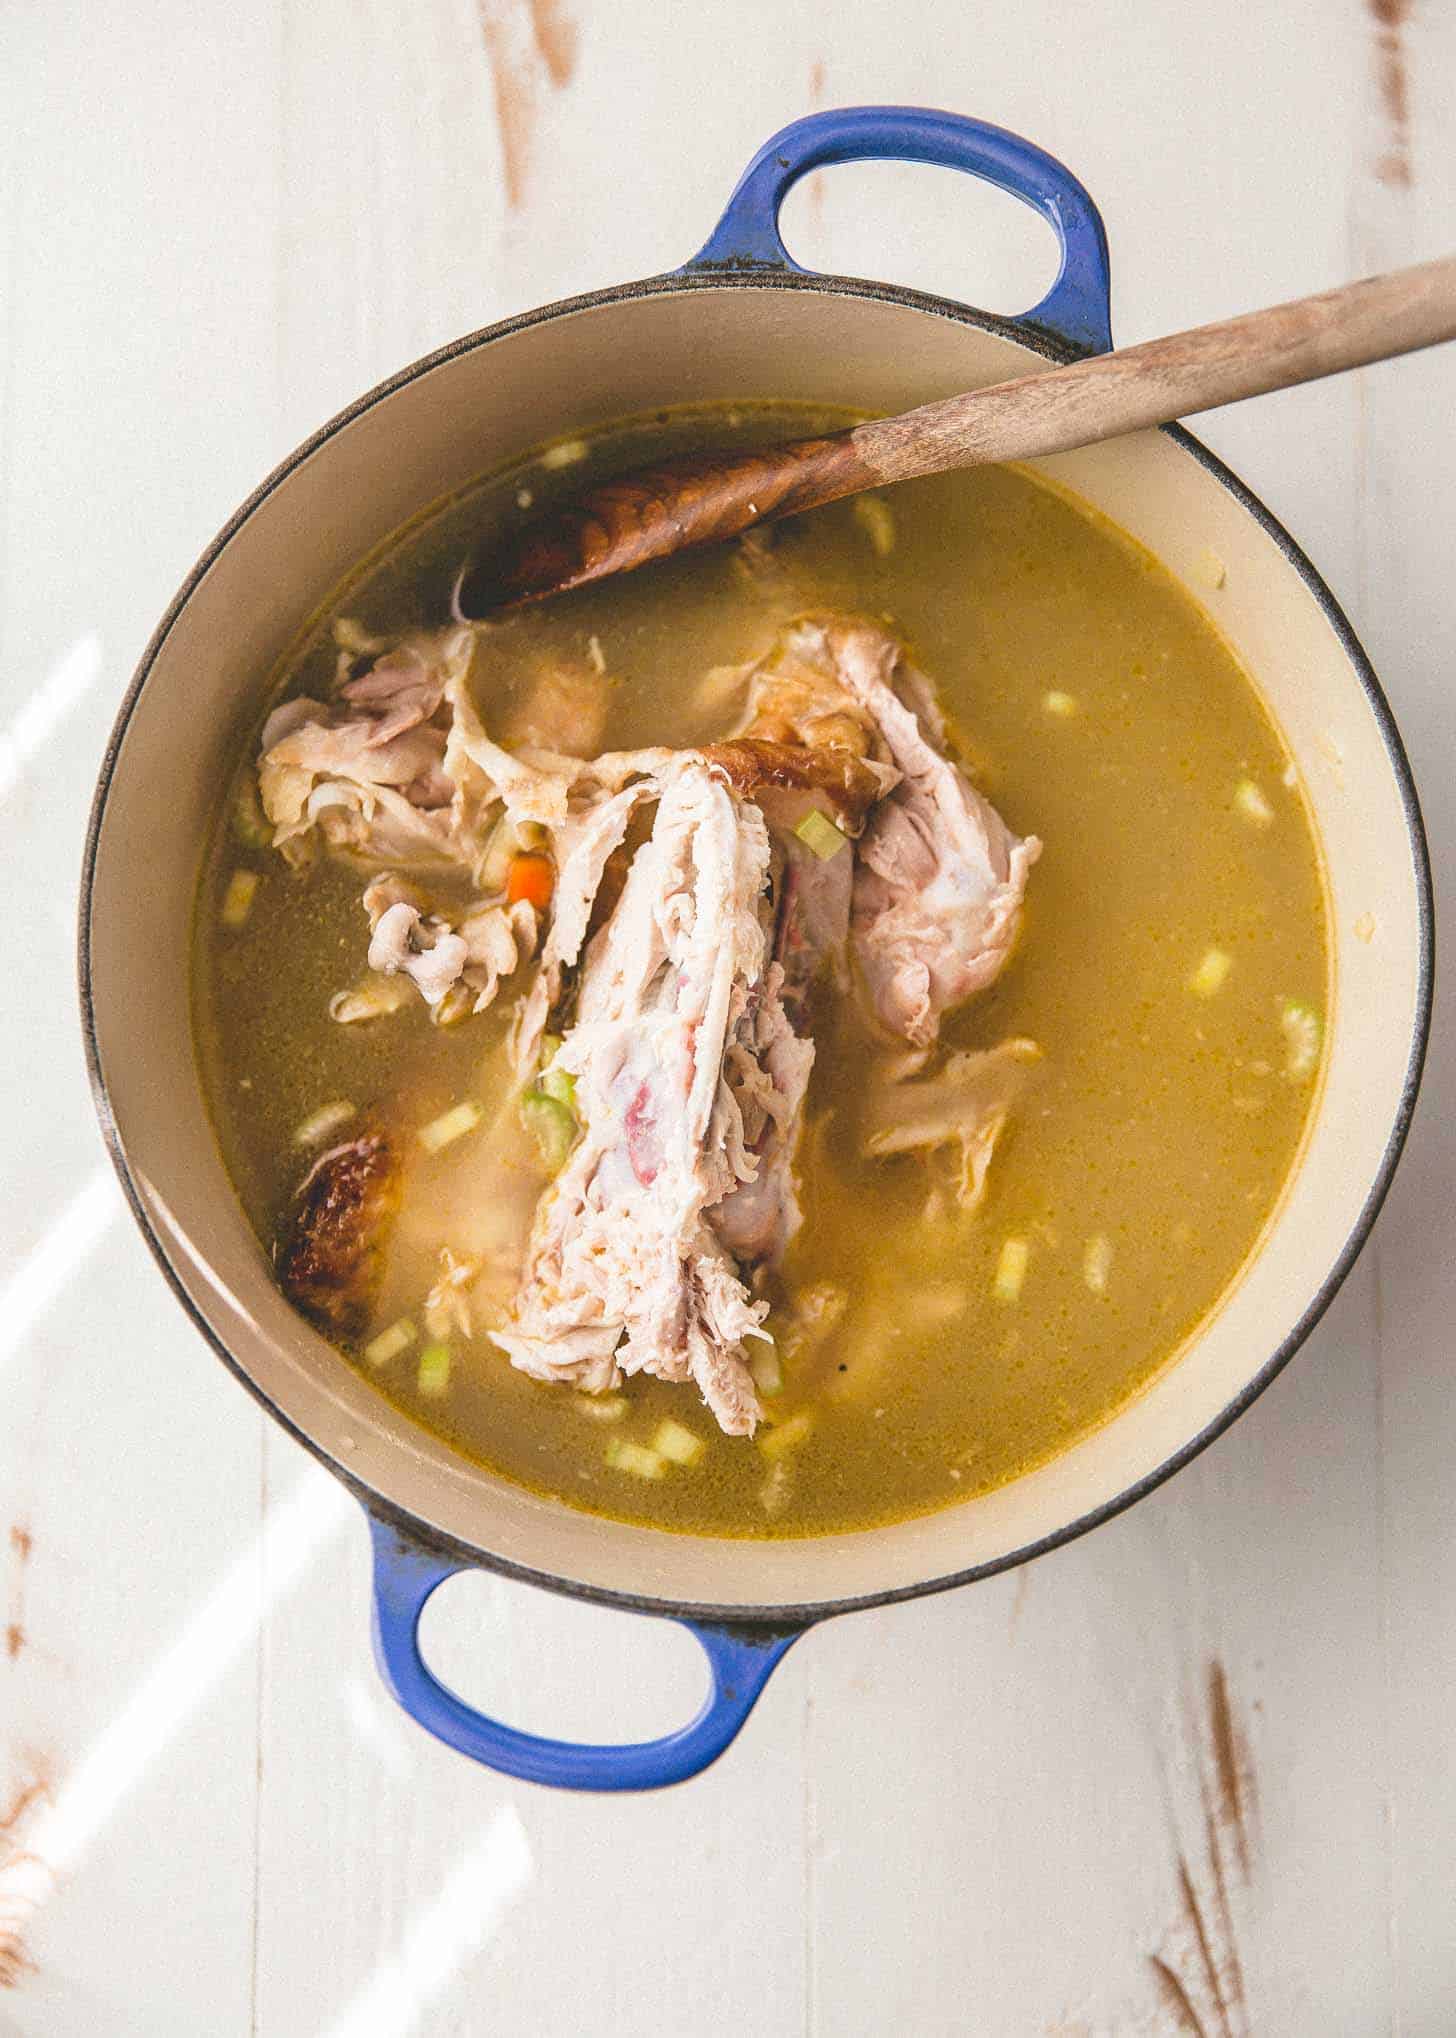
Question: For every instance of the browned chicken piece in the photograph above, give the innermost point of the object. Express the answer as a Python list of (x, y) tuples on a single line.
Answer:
[(849, 782), (330, 1259), (796, 695)]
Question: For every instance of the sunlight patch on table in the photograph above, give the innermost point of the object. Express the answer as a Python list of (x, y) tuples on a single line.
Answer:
[(56, 1258), (439, 1939), (181, 1678), (74, 673)]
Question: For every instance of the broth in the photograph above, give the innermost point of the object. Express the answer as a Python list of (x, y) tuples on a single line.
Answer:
[(1172, 969)]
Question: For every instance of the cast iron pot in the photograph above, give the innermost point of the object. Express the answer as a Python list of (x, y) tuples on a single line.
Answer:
[(739, 320)]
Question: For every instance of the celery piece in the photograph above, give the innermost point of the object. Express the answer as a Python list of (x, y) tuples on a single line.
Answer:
[(677, 1444), (560, 1086), (390, 1343), (434, 1375), (551, 1125), (766, 1367), (1251, 802), (319, 1124), (1097, 1263), (1062, 704), (623, 1456), (1211, 974), (450, 1125), (786, 1436), (371, 999), (237, 900), (1300, 1025), (877, 520), (1011, 1268), (602, 1407), (250, 824), (817, 832)]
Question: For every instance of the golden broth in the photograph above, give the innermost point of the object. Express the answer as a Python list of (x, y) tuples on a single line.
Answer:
[(1176, 915)]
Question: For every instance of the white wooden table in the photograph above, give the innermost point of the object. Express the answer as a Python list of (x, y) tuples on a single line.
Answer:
[(1195, 1774)]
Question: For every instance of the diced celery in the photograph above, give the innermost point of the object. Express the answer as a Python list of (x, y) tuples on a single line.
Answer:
[(1302, 1033), (494, 861), (390, 1343), (550, 1048), (250, 824), (1210, 568), (774, 1491), (551, 1125), (319, 1124), (559, 1085), (434, 1376), (786, 1436), (237, 900), (677, 1444), (455, 1007), (1252, 804), (766, 1367), (1097, 1263), (371, 999), (565, 453), (449, 1126), (1211, 974), (623, 1456), (1011, 1268), (602, 1407), (1063, 704), (877, 520), (817, 832)]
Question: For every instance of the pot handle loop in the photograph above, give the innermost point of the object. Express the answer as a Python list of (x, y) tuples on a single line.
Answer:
[(1075, 309), (740, 1663)]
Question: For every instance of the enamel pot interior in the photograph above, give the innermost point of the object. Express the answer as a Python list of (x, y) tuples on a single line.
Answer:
[(476, 407)]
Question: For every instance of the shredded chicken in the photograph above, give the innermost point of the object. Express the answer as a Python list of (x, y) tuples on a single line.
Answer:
[(477, 950), (693, 924), (624, 1273), (939, 877), (964, 1105)]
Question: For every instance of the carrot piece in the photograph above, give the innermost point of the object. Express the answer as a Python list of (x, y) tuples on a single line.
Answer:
[(531, 877)]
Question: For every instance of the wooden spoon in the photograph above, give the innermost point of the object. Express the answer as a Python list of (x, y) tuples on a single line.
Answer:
[(659, 510)]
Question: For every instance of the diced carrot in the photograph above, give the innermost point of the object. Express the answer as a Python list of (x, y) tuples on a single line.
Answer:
[(531, 877)]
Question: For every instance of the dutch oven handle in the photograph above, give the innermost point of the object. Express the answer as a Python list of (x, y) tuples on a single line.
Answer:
[(1076, 308), (740, 1662)]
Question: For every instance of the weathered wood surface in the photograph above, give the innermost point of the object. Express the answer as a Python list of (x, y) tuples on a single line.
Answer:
[(1196, 1774)]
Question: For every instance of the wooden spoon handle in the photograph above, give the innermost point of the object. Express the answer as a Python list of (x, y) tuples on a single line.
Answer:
[(664, 509), (1151, 384)]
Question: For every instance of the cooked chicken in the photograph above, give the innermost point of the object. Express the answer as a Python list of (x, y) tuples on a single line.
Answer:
[(849, 783), (584, 846), (330, 1259), (766, 1070), (695, 904), (564, 709), (477, 949), (624, 1273), (963, 1104), (939, 877)]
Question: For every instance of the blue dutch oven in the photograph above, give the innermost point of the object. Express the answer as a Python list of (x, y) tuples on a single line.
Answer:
[(740, 320)]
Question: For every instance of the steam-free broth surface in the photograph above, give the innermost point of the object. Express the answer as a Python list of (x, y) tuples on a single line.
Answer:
[(1171, 969)]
